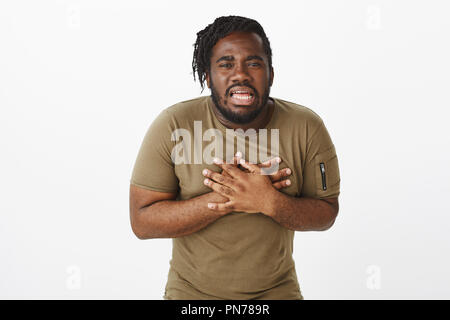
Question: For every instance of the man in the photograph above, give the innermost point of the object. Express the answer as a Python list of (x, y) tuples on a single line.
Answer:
[(232, 220)]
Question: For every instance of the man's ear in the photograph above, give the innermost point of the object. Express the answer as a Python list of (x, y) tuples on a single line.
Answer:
[(271, 77), (207, 79)]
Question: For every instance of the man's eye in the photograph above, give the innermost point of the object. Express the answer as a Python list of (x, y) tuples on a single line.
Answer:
[(254, 64), (225, 65)]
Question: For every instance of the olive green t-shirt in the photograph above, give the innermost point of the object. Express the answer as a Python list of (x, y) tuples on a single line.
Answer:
[(240, 255)]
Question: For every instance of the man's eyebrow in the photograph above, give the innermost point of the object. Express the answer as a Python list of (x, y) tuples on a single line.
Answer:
[(254, 58), (225, 58), (231, 58)]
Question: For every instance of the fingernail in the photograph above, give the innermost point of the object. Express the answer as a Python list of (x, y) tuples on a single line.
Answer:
[(242, 161), (205, 181), (238, 154), (288, 171), (216, 160), (205, 172), (288, 182), (277, 159), (210, 205)]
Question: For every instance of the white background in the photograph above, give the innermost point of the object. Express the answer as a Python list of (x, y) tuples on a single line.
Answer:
[(81, 81)]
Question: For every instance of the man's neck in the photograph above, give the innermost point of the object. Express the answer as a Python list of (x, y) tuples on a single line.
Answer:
[(259, 122)]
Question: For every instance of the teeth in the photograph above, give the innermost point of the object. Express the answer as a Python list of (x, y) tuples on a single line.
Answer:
[(241, 92), (242, 98), (245, 92)]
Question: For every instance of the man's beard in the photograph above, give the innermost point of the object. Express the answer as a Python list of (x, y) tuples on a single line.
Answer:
[(236, 117)]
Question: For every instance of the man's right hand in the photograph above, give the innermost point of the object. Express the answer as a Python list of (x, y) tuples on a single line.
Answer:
[(277, 178)]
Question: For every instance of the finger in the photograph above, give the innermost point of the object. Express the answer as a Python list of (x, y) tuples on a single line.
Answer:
[(270, 167), (253, 168), (220, 189), (281, 184), (233, 161), (236, 160), (238, 157), (231, 169), (220, 163), (270, 162), (226, 174), (219, 178), (280, 174), (221, 206)]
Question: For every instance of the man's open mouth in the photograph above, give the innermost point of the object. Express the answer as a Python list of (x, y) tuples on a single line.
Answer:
[(242, 96)]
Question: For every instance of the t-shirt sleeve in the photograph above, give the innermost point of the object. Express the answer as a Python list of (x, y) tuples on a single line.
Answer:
[(154, 169), (321, 178)]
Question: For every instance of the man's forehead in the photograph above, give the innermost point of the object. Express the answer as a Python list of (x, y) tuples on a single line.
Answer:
[(236, 42)]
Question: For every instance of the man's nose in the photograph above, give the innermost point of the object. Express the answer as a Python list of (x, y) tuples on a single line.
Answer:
[(241, 73)]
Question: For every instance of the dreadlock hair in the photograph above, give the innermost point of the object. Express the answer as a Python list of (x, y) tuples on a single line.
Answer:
[(220, 28)]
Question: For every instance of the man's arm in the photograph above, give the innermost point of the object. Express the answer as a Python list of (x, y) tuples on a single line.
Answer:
[(252, 192), (302, 214), (158, 215)]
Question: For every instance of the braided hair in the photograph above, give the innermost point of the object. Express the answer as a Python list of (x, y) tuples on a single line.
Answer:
[(220, 28)]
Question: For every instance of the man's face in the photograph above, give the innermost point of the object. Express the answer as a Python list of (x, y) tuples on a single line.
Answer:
[(240, 77)]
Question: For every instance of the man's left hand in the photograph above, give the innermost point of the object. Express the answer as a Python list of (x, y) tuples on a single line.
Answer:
[(250, 192)]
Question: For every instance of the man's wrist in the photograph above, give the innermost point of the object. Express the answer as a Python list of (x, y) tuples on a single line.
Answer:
[(270, 203)]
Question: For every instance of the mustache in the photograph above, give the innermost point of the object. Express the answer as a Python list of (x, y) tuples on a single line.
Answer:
[(227, 92)]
